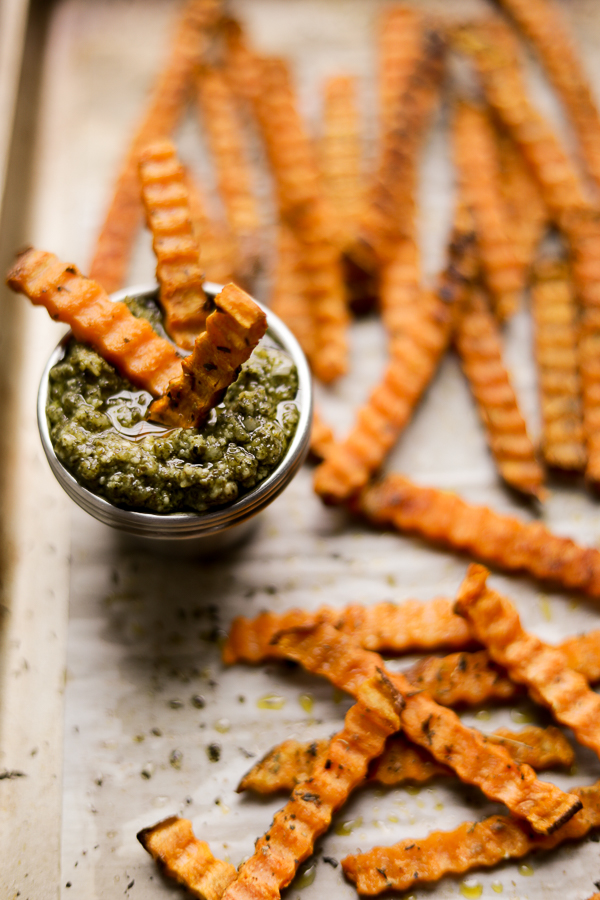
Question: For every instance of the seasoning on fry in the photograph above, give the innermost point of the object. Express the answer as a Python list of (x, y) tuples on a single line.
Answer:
[(326, 651), (470, 846), (178, 269), (463, 679), (503, 541), (295, 828), (186, 859), (232, 332), (542, 669), (128, 343), (478, 342), (165, 107)]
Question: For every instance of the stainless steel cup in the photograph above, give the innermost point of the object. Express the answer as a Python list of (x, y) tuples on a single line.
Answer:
[(192, 531)]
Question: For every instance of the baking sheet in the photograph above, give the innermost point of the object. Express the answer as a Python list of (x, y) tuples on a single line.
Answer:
[(144, 630)]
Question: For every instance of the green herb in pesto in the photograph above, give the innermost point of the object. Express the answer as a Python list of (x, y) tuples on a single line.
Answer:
[(98, 430)]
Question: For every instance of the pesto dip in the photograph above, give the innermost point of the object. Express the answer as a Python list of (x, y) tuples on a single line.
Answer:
[(98, 430)]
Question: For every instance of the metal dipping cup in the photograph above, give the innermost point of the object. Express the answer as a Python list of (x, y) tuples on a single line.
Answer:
[(191, 531)]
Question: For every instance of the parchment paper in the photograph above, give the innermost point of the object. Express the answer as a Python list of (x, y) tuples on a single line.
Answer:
[(144, 629)]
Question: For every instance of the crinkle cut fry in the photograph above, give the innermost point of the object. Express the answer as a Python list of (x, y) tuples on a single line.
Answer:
[(400, 38), (547, 29), (478, 168), (503, 541), (413, 625), (392, 189), (321, 437), (340, 156), (178, 270), (479, 345), (401, 761), (221, 122), (288, 298), (472, 845), (124, 216), (542, 669), (325, 651), (422, 326), (218, 250), (556, 332), (307, 815), (128, 343), (232, 332), (186, 859), (463, 679)]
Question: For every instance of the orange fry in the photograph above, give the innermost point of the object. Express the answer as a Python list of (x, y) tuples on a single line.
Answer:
[(178, 270), (470, 846), (542, 669), (288, 298), (325, 651), (216, 104), (321, 437), (232, 332), (283, 767), (479, 345), (411, 626), (186, 859), (478, 167), (218, 250), (307, 815), (340, 156), (124, 217), (556, 332), (503, 541), (463, 679), (128, 343), (421, 331), (547, 29), (400, 37)]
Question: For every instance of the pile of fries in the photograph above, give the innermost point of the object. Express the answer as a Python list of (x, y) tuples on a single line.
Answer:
[(527, 216)]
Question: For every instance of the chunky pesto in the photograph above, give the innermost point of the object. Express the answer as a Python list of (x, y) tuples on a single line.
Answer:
[(98, 429)]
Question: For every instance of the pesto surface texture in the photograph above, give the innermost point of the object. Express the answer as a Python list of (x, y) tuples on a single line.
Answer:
[(98, 429)]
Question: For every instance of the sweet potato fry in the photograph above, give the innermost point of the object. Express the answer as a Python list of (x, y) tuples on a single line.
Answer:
[(232, 332), (479, 345), (218, 249), (186, 859), (291, 837), (527, 212), (129, 344), (463, 679), (283, 767), (325, 651), (503, 541), (470, 846), (478, 169), (542, 669), (547, 29), (400, 291), (124, 216), (393, 187), (321, 437), (411, 626), (217, 108), (340, 156), (178, 269), (288, 298), (400, 37), (421, 331), (556, 332)]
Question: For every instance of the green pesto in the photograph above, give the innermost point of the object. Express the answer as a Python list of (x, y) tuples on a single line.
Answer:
[(98, 429)]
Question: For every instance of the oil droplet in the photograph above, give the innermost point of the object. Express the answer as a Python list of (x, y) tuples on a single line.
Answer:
[(348, 827), (439, 806), (307, 702), (413, 790), (522, 716), (484, 715), (471, 889), (271, 701), (497, 887), (159, 802), (525, 869), (420, 804), (224, 809), (338, 696), (545, 608), (393, 818), (222, 726), (305, 877)]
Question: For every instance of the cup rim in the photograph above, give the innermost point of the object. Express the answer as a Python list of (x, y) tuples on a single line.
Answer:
[(187, 525)]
